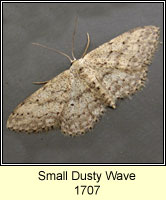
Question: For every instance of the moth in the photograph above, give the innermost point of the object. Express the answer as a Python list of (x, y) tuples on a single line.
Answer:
[(76, 99)]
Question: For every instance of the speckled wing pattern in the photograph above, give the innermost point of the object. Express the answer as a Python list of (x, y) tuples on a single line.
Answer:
[(75, 99), (82, 110), (122, 63), (41, 111)]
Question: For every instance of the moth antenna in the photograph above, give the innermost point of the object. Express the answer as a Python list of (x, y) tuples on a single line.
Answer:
[(87, 45), (73, 37), (52, 49)]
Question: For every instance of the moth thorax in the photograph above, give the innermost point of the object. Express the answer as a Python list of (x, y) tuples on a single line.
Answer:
[(77, 66)]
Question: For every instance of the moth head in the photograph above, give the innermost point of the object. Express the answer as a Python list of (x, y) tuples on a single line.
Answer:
[(76, 66)]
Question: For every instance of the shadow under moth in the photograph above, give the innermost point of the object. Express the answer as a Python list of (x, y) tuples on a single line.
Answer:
[(76, 99)]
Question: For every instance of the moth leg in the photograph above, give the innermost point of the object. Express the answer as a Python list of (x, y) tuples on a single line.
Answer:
[(40, 83)]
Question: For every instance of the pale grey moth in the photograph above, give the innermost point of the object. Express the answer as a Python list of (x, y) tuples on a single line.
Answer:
[(76, 99)]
